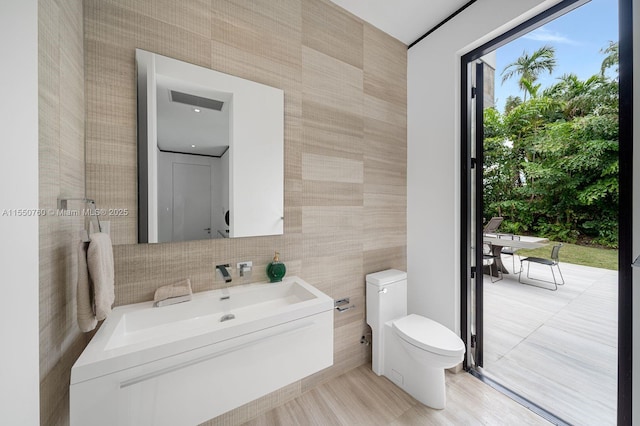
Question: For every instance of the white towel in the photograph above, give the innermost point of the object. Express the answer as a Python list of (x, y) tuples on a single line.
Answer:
[(86, 317), (181, 288), (101, 272)]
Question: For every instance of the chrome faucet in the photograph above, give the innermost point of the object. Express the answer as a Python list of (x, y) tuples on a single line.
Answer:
[(224, 272)]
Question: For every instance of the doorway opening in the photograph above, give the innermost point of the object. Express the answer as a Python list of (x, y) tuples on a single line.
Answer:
[(553, 344)]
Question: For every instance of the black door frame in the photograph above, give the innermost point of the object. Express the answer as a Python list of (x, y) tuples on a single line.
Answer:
[(478, 165), (625, 301)]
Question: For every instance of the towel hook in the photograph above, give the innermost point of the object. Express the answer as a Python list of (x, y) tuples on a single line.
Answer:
[(95, 214), (63, 204)]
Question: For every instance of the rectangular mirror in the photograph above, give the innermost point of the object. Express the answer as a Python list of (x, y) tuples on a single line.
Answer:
[(210, 153)]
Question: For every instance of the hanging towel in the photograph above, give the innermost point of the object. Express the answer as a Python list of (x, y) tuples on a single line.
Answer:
[(86, 317), (181, 288), (101, 273)]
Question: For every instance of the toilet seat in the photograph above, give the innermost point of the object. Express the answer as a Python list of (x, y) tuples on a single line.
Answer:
[(428, 335)]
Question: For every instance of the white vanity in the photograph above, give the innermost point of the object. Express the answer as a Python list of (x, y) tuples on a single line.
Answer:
[(189, 362)]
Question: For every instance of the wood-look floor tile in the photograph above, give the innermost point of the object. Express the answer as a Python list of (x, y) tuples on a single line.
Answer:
[(308, 409), (359, 397)]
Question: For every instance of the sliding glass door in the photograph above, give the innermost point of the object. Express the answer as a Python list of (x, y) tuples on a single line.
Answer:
[(477, 278)]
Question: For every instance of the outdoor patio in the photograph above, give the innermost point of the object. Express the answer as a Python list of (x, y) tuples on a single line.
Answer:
[(556, 348)]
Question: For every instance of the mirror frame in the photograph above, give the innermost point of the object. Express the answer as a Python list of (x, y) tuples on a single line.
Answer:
[(256, 148)]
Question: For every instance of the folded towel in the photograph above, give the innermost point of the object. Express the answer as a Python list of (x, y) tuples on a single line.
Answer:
[(86, 318), (172, 301), (100, 263), (181, 288)]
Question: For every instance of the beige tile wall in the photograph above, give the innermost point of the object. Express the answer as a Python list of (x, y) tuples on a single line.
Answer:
[(345, 146), (61, 162)]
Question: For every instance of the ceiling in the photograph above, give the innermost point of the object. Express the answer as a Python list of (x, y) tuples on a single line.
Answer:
[(180, 127), (405, 20)]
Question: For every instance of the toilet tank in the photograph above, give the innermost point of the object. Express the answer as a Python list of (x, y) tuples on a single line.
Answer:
[(386, 297)]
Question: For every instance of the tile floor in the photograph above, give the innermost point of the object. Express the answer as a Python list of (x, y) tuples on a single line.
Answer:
[(359, 397), (557, 348)]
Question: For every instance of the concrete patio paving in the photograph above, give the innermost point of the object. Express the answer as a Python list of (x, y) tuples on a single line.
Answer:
[(556, 348)]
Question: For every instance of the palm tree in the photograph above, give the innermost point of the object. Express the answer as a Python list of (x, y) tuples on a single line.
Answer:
[(579, 97), (530, 88), (511, 102), (612, 57), (529, 67)]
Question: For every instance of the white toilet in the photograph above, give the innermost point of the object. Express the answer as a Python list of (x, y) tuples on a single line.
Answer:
[(410, 350)]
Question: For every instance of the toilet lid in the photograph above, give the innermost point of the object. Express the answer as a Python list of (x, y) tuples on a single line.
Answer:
[(429, 335)]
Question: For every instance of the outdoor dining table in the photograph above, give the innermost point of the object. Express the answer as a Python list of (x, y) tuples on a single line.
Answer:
[(498, 243)]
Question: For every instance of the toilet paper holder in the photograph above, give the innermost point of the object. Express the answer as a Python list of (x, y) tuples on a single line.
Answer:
[(342, 304)]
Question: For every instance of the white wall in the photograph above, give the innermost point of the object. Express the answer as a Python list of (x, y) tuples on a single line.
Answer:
[(19, 383), (433, 171)]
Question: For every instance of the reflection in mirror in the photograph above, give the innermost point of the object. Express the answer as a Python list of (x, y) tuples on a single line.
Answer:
[(193, 162), (210, 153)]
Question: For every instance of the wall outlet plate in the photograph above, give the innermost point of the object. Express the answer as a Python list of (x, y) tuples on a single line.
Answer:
[(246, 264)]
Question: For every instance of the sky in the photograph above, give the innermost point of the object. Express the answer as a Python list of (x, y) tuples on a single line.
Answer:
[(577, 37)]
